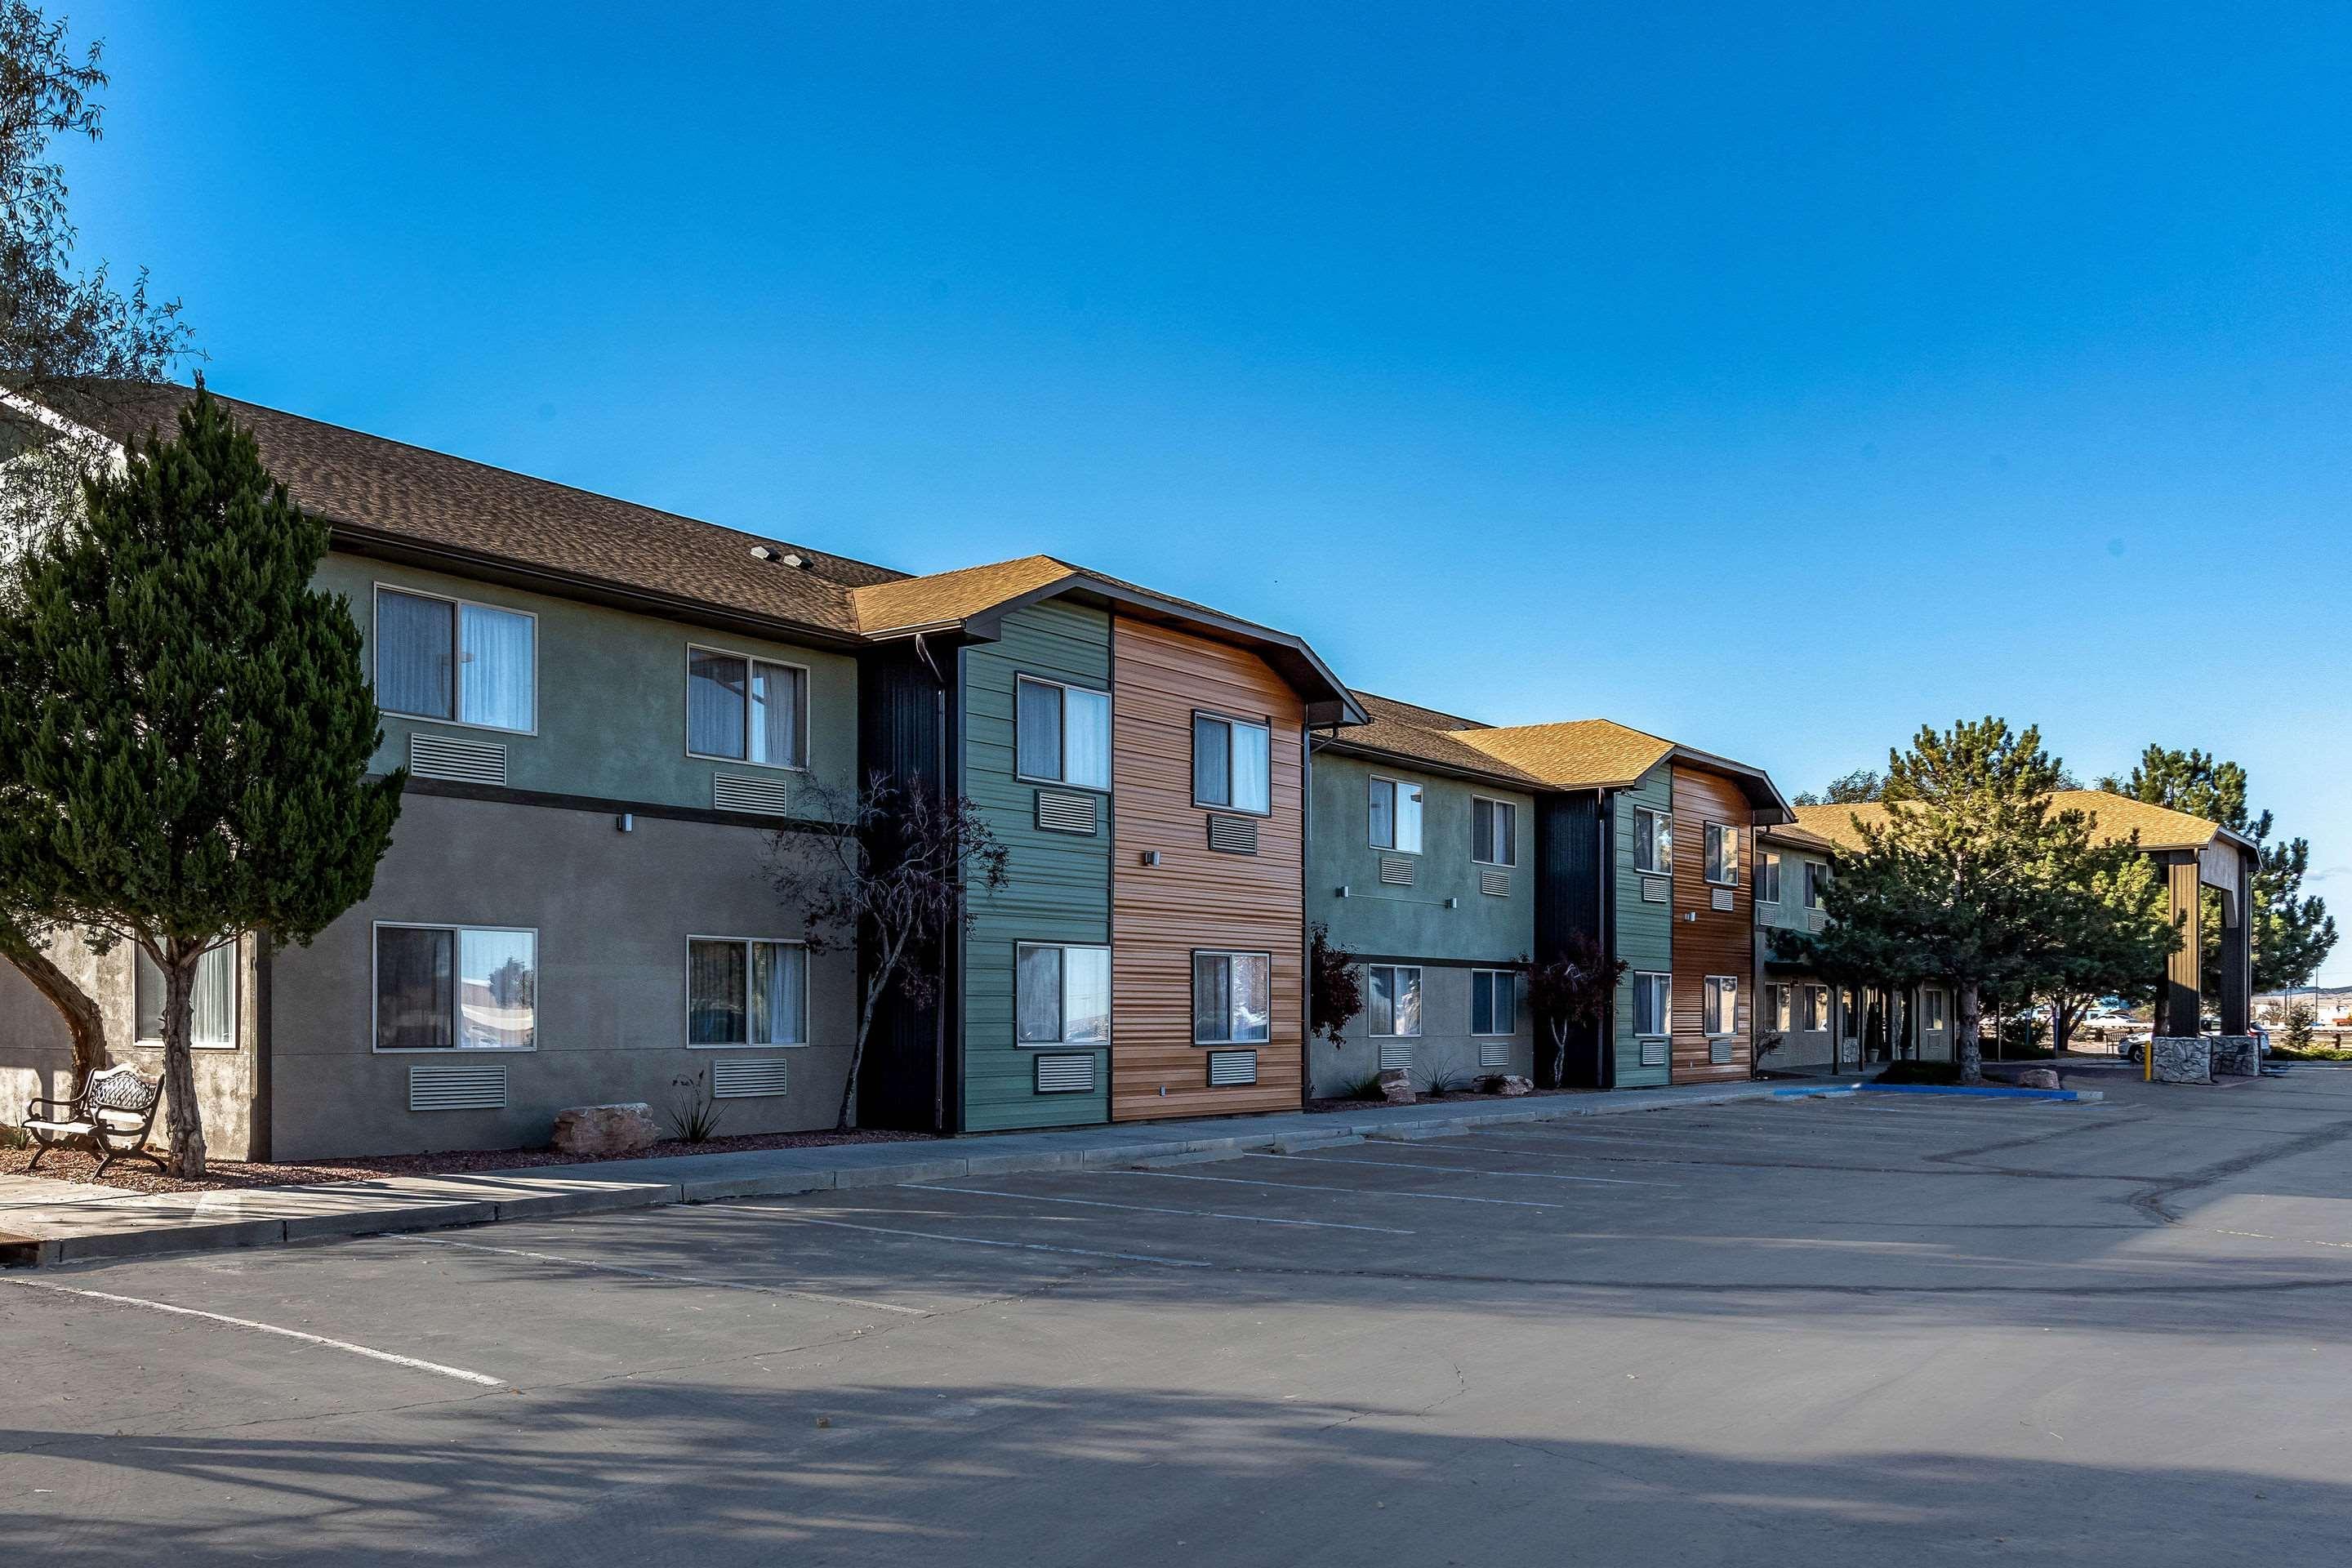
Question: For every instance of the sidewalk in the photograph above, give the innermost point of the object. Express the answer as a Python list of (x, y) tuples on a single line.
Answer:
[(71, 1224)]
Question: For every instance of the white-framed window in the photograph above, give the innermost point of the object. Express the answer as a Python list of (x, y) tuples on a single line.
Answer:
[(739, 709), (1931, 1008), (746, 991), (1816, 874), (212, 1000), (1493, 832), (1061, 994), (1850, 1013), (1061, 733), (1394, 816), (456, 661), (1722, 854), (1721, 1005), (1767, 876), (1653, 1003), (1653, 841), (1494, 1002), (456, 987), (1779, 1006), (1817, 1007), (1232, 997), (1392, 999), (1233, 764)]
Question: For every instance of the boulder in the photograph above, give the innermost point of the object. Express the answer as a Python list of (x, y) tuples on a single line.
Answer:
[(1509, 1085), (1396, 1086), (2038, 1078), (590, 1129)]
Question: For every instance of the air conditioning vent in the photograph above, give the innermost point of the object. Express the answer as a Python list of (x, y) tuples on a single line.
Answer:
[(1396, 870), (1654, 1053), (733, 792), (1718, 1051), (1395, 1055), (1654, 890), (464, 761), (1491, 881), (470, 1086), (1493, 1053), (1724, 898), (759, 1077), (1228, 1069), (1233, 834), (1058, 811), (1065, 1075)]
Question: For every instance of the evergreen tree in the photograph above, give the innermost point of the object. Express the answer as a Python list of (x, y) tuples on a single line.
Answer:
[(1975, 878), (185, 728), (2292, 934), (1853, 789)]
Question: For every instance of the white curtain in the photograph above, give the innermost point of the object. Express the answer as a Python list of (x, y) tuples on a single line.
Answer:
[(1086, 738), (414, 639), (1408, 1001), (1253, 757), (1254, 995), (776, 697), (212, 1023), (779, 994), (1037, 997), (497, 682)]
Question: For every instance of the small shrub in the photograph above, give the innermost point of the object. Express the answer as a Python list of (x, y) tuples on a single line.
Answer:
[(2023, 1035), (692, 1112), (1365, 1087), (2296, 1026), (1443, 1081), (1920, 1072)]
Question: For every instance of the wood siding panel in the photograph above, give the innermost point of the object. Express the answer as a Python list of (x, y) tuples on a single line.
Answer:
[(1708, 940), (1197, 898)]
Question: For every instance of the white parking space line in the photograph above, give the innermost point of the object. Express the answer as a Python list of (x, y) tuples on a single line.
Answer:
[(967, 1240), (1352, 1191), (1443, 1171), (604, 1268), (1150, 1208), (460, 1374)]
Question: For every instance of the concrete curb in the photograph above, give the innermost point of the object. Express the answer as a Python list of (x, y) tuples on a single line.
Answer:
[(1984, 1092), (276, 1215)]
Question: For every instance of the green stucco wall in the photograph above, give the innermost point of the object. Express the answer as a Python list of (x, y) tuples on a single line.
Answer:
[(1060, 883), (611, 706), (1645, 930)]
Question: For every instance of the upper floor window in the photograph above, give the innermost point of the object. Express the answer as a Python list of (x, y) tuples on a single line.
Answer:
[(212, 1002), (1062, 995), (1392, 999), (456, 987), (1653, 841), (1233, 764), (1653, 1003), (1767, 876), (1721, 1004), (746, 710), (1396, 816), (456, 661), (1816, 876), (1233, 998), (1061, 733), (1722, 854), (746, 992), (1493, 832)]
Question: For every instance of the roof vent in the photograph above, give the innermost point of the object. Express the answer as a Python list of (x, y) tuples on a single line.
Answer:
[(780, 557)]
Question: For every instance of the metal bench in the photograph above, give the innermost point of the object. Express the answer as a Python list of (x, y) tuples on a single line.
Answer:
[(113, 1113)]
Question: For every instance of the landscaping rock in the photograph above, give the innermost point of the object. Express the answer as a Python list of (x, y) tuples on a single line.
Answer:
[(590, 1129), (2038, 1078), (1509, 1085), (1396, 1086)]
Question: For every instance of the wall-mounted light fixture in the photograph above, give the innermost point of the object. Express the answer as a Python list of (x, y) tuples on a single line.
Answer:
[(626, 822), (1152, 856)]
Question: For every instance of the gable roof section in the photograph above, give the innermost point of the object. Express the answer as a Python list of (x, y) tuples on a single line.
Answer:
[(2114, 817), (1426, 738), (1580, 753), (390, 498)]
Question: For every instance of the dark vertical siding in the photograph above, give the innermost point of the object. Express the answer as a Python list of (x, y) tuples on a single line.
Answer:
[(900, 716), (1568, 901)]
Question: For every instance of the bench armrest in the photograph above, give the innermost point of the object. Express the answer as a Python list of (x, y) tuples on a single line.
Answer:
[(33, 1107)]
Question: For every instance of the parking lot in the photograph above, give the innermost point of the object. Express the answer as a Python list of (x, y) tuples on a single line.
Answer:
[(1820, 1330)]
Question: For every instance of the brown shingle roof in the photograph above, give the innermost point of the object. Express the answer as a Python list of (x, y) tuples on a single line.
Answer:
[(432, 500), (1414, 735), (944, 597), (1581, 753), (2114, 817)]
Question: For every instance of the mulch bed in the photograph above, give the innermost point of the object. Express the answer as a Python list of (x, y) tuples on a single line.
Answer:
[(1318, 1107), (138, 1176)]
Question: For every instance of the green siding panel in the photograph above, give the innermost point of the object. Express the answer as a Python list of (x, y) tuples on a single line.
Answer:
[(1060, 883), (1413, 922), (1646, 933)]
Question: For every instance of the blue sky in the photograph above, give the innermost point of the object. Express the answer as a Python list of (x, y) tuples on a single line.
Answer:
[(1774, 382)]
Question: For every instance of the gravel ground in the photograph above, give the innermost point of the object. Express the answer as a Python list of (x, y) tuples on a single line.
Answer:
[(139, 1176)]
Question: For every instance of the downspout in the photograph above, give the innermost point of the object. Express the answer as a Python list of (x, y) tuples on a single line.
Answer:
[(1605, 814)]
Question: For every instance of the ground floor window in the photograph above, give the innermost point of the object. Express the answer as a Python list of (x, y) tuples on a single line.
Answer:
[(1653, 1003), (1817, 1006), (1778, 1006), (746, 991), (212, 1002), (456, 987), (1392, 999), (1062, 995), (1850, 1021), (1721, 1004), (1931, 1009), (1232, 997), (1494, 1002)]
